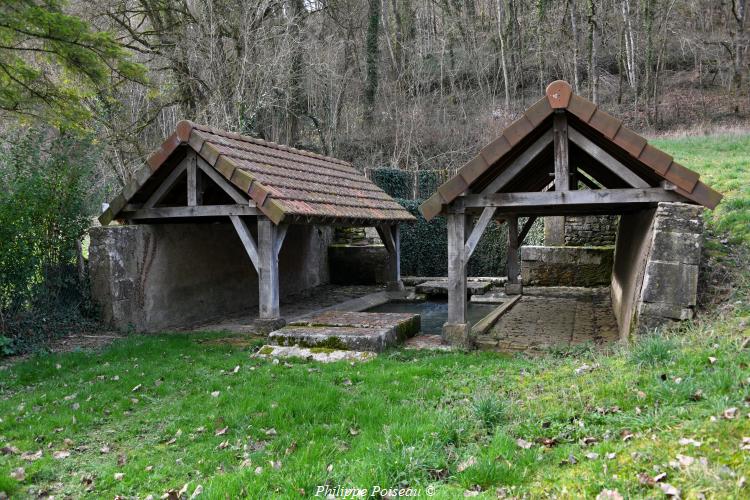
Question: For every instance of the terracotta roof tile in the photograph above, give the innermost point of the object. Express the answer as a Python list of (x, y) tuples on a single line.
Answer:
[(283, 181)]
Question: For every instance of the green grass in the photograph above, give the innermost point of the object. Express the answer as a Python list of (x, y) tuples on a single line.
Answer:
[(724, 164), (448, 421)]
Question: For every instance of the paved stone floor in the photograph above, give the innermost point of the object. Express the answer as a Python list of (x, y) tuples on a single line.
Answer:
[(296, 306), (554, 318)]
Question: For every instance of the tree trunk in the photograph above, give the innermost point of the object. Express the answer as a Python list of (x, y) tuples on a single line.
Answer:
[(503, 61), (574, 32), (592, 42), (372, 57)]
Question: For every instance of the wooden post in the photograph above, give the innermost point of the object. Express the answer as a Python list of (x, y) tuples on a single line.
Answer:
[(554, 227), (513, 265), (268, 273), (396, 262), (194, 188), (390, 234), (456, 268)]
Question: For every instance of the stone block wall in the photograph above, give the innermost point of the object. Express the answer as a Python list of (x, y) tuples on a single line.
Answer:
[(655, 277), (151, 277), (591, 230), (566, 266)]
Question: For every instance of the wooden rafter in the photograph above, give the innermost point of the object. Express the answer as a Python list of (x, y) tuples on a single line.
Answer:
[(607, 160), (166, 186), (479, 228), (251, 247), (188, 212), (517, 165)]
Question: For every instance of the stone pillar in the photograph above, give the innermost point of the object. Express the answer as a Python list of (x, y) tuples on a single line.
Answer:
[(670, 280)]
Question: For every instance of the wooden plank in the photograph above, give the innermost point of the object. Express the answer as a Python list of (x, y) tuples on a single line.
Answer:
[(456, 269), (476, 233), (484, 325), (280, 236), (268, 273), (222, 182), (247, 240), (386, 236), (506, 201), (513, 263), (562, 157), (166, 186), (606, 160), (185, 212), (396, 231), (587, 181), (516, 166), (194, 187), (526, 228)]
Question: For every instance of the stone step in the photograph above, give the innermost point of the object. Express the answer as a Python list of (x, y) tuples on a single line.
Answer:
[(359, 331), (320, 354)]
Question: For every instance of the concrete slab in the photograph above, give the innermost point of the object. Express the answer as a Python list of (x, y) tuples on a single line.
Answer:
[(440, 288), (427, 342), (495, 297), (319, 354), (359, 331)]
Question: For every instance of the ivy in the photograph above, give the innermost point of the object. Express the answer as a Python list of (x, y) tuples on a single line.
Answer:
[(397, 183)]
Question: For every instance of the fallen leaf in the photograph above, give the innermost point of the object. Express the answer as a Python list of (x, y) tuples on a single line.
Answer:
[(685, 461), (9, 450), (609, 495), (523, 444), (711, 359), (60, 455), (246, 463), (18, 474), (730, 413), (647, 480), (611, 456), (669, 490), (221, 432), (291, 449), (119, 476), (329, 468), (626, 435), (689, 441), (31, 457), (592, 456), (347, 382), (588, 441), (196, 492), (236, 369), (548, 442), (223, 445), (466, 464), (697, 395), (275, 464), (259, 470), (271, 432), (353, 431), (471, 493), (745, 444), (136, 388), (215, 394), (149, 468)]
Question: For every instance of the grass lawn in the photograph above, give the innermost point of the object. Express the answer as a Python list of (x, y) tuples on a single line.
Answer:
[(154, 413)]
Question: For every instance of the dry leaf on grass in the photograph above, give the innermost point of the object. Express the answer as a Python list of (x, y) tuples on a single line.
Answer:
[(221, 432), (215, 394), (669, 490), (466, 464), (522, 443), (730, 413), (689, 441), (31, 457), (119, 476), (60, 455), (609, 495), (18, 474)]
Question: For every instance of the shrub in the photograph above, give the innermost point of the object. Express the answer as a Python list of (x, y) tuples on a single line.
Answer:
[(45, 208), (397, 183)]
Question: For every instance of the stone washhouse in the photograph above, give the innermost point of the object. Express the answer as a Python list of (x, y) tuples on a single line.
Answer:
[(569, 161), (218, 223)]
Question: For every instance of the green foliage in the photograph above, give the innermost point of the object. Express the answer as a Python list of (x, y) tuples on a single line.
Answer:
[(397, 183), (428, 181), (45, 206), (51, 62), (489, 410)]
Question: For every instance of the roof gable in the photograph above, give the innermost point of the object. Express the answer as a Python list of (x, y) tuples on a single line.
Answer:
[(606, 132), (281, 181)]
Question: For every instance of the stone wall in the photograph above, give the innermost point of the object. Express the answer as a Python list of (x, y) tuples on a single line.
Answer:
[(566, 266), (359, 264), (151, 277), (655, 278), (591, 230)]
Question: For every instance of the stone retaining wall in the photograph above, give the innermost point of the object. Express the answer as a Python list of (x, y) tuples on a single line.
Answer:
[(591, 230), (566, 266), (154, 276), (655, 279)]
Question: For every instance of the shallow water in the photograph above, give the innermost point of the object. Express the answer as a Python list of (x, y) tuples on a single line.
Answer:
[(434, 313)]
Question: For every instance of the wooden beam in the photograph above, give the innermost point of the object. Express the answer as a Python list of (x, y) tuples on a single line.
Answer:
[(476, 233), (219, 179), (517, 202), (185, 212), (456, 269), (607, 160), (513, 263), (166, 185), (516, 166), (562, 157), (280, 236), (268, 274), (194, 187), (247, 240), (390, 234), (587, 181), (526, 228)]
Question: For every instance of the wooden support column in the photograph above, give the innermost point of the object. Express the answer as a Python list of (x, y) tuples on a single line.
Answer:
[(456, 268), (554, 227), (390, 234), (513, 263), (268, 269)]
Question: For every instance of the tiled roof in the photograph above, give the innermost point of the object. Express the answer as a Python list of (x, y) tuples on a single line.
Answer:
[(282, 181), (586, 116)]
